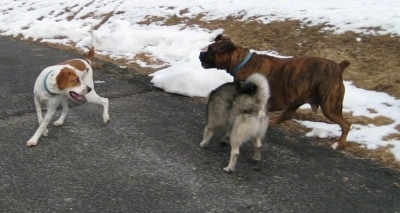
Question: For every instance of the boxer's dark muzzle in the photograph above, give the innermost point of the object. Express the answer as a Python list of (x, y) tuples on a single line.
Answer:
[(206, 61)]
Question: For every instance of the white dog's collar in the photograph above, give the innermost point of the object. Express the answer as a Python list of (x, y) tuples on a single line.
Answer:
[(45, 85)]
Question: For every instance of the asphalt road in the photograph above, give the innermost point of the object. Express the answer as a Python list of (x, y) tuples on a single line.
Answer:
[(148, 158)]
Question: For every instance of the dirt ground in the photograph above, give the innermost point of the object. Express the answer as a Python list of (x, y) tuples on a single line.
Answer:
[(375, 63)]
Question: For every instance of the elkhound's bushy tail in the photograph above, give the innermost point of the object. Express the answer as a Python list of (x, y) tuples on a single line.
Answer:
[(256, 84)]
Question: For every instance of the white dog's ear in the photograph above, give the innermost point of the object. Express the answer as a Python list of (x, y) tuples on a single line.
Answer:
[(62, 79), (65, 77)]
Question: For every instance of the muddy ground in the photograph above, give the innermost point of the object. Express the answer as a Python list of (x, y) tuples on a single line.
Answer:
[(375, 63)]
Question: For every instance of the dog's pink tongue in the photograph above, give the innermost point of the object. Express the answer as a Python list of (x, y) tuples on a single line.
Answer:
[(76, 96)]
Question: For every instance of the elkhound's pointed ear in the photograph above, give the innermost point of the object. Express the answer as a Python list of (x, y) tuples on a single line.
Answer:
[(221, 37)]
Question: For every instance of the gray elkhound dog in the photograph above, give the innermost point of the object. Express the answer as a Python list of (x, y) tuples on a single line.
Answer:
[(242, 109)]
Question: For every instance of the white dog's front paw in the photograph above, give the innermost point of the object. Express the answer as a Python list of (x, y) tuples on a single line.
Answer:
[(31, 143), (229, 169), (45, 132), (58, 123), (106, 118), (203, 144)]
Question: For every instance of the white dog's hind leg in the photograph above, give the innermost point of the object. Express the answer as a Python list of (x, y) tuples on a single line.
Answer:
[(208, 133), (65, 108), (42, 127), (92, 97)]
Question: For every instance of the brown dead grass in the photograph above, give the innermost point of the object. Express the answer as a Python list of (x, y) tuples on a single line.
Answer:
[(380, 154)]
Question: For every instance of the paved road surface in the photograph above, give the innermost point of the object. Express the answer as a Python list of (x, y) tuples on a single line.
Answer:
[(148, 159)]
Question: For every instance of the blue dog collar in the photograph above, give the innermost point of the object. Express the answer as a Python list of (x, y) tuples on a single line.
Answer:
[(45, 85), (239, 66)]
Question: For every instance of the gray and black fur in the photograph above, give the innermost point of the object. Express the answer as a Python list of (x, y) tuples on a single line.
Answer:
[(240, 108)]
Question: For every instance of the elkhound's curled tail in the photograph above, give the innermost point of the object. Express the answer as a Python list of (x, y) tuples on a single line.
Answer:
[(240, 108), (256, 84)]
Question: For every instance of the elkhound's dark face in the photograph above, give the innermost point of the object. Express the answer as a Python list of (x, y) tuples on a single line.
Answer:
[(217, 53)]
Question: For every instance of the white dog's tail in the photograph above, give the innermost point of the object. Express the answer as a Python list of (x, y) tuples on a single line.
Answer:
[(90, 54), (93, 37), (256, 84)]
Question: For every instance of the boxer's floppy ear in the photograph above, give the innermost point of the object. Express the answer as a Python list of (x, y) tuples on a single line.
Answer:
[(218, 37), (221, 37), (225, 46)]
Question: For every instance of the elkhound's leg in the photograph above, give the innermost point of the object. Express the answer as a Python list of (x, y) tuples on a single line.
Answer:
[(263, 127), (208, 133), (225, 139), (235, 145), (257, 149)]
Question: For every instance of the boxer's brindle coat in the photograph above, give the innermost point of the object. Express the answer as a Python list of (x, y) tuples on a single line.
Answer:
[(293, 81)]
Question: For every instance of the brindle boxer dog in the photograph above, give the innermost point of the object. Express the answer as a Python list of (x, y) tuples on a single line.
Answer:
[(293, 81)]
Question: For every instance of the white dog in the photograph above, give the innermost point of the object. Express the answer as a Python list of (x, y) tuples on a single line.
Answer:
[(70, 79)]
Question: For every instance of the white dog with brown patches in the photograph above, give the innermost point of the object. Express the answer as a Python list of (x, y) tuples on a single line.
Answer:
[(70, 79)]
